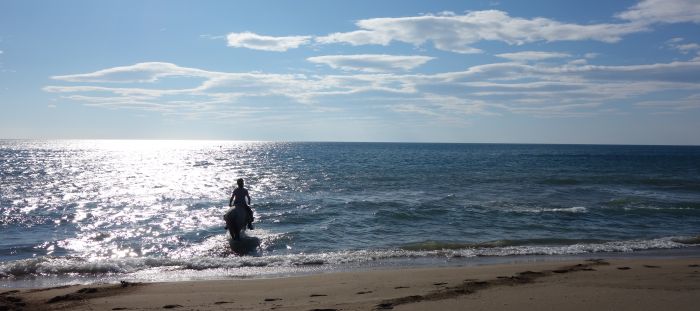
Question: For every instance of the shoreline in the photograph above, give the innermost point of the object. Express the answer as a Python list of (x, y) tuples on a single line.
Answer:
[(639, 283), (272, 272)]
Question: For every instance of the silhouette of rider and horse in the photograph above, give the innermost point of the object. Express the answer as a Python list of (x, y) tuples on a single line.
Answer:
[(239, 216)]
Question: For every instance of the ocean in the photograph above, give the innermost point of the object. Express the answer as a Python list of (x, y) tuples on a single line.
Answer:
[(108, 210)]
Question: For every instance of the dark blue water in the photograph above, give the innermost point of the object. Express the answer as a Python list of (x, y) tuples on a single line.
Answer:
[(151, 210)]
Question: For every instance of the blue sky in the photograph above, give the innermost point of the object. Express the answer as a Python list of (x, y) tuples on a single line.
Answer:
[(612, 72)]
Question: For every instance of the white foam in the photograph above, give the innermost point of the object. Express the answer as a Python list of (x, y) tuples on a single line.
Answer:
[(207, 266), (575, 209)]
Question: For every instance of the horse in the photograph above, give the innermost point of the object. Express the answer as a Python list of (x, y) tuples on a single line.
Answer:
[(236, 219)]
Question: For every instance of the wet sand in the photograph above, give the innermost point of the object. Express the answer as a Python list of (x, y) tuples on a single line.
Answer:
[(610, 284)]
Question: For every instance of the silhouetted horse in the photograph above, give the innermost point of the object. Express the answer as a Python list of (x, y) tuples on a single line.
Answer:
[(236, 220)]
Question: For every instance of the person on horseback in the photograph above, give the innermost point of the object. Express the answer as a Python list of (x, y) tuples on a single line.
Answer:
[(238, 198)]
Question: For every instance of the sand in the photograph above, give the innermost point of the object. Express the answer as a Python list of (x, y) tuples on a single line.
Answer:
[(611, 284)]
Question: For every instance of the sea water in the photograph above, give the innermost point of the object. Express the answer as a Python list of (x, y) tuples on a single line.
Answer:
[(104, 210)]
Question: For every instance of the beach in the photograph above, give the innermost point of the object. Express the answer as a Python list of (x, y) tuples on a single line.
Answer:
[(591, 284)]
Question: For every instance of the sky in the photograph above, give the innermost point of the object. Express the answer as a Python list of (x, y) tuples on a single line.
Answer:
[(482, 71)]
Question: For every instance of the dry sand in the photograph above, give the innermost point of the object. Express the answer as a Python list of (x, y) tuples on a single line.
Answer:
[(636, 284)]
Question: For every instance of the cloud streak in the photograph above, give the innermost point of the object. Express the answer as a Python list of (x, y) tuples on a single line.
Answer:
[(532, 55), (265, 43), (371, 62), (490, 89), (137, 73)]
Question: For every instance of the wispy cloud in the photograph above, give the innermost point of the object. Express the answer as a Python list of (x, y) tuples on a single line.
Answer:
[(490, 89), (139, 73), (266, 43), (212, 37), (371, 62), (532, 55), (685, 48)]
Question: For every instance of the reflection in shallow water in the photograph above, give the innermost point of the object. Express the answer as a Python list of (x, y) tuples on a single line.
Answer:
[(115, 199), (247, 245)]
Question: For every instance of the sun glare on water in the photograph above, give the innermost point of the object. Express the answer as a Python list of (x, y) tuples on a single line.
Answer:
[(132, 198)]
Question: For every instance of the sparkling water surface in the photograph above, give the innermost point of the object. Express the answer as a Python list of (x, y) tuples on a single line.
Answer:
[(151, 210)]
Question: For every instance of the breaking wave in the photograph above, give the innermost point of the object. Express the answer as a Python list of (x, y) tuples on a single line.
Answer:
[(72, 266)]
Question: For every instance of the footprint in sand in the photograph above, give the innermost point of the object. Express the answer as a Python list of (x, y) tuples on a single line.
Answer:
[(7, 303), (88, 290), (623, 268), (365, 292)]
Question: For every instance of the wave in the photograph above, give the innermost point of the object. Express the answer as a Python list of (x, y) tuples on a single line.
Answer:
[(575, 209), (439, 245), (72, 266), (630, 180), (694, 240)]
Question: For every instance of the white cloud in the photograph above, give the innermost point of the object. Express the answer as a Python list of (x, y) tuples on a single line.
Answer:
[(532, 55), (688, 47), (456, 33), (685, 48), (574, 89), (371, 62), (266, 43), (580, 61), (663, 11), (682, 72), (141, 72)]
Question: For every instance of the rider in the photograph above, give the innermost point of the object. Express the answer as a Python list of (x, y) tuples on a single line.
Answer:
[(238, 199)]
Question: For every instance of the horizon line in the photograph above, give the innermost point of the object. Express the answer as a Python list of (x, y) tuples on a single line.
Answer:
[(348, 141)]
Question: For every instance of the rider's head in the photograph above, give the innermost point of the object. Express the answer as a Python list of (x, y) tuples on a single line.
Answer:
[(240, 182)]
